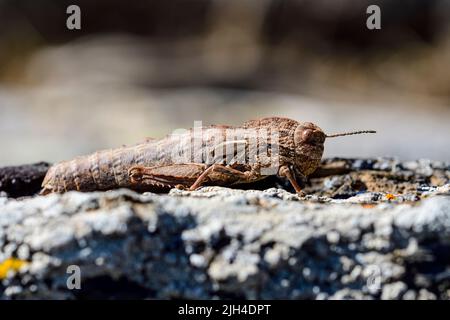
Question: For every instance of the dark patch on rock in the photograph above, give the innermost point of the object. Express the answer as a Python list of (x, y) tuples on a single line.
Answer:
[(106, 287), (21, 181)]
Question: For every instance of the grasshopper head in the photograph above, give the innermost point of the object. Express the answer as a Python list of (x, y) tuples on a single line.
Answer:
[(308, 140), (309, 133)]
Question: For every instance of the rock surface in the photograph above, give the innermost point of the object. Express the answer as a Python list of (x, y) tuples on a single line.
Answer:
[(376, 229)]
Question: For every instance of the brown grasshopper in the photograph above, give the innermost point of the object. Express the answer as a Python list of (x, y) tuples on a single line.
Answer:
[(212, 155)]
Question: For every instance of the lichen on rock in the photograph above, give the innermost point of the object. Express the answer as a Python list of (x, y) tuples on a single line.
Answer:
[(230, 243)]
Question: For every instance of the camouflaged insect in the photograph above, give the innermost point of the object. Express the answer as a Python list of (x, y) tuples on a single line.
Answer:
[(220, 158)]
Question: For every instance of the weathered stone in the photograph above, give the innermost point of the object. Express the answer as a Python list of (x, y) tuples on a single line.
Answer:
[(229, 243)]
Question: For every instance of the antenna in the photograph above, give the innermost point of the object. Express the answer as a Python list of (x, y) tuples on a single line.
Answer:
[(350, 133)]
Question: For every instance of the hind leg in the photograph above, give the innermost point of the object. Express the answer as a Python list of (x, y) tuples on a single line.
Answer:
[(176, 175), (223, 175)]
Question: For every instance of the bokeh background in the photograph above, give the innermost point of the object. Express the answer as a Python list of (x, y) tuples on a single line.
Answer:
[(143, 68)]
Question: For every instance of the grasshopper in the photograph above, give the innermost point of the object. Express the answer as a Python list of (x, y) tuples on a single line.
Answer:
[(212, 155)]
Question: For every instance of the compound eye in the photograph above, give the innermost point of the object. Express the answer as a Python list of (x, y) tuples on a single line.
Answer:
[(306, 135)]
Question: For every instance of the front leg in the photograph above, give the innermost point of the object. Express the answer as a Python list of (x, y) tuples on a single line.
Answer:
[(284, 171)]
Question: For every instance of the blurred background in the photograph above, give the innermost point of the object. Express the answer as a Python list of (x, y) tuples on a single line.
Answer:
[(143, 68)]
